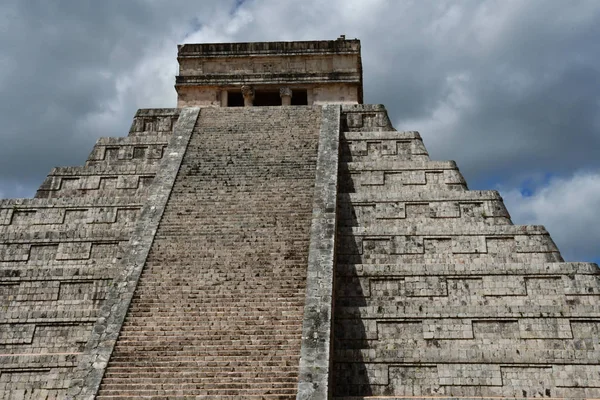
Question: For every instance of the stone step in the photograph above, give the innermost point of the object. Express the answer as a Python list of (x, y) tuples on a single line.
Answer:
[(210, 368), (196, 385), (233, 394), (227, 315), (223, 360), (203, 397)]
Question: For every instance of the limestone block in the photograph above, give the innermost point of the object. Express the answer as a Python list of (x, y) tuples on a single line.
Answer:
[(545, 328), (495, 208), (453, 177), (469, 374), (388, 331), (23, 217), (410, 178), (500, 245), (504, 285), (576, 375), (437, 245), (391, 287), (6, 216), (372, 178), (549, 287), (16, 333), (37, 291), (527, 381), (378, 246), (76, 216), (128, 182), (43, 252), (353, 287), (74, 250), (103, 215), (356, 330), (472, 210), (164, 124), (418, 210), (408, 244), (354, 120), (447, 329), (583, 285), (445, 209), (357, 148), (413, 380), (127, 215), (349, 245), (55, 183), (585, 329), (50, 216), (468, 244), (534, 244), (461, 289), (496, 329), (354, 378), (14, 252), (425, 286), (390, 210), (66, 183), (94, 290), (8, 291), (417, 147), (108, 182)]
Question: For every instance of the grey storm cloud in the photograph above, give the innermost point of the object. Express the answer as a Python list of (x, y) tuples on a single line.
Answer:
[(60, 63), (509, 89)]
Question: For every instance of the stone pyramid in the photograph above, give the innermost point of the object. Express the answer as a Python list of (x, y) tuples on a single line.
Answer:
[(275, 238)]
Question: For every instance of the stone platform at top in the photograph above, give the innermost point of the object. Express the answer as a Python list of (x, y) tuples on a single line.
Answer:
[(269, 73)]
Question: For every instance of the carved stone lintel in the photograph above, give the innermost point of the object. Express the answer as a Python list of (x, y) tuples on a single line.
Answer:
[(286, 96), (248, 93)]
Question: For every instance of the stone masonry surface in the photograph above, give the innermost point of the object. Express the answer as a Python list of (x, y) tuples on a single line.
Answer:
[(206, 254), (112, 314), (59, 254), (315, 354), (219, 305), (438, 294)]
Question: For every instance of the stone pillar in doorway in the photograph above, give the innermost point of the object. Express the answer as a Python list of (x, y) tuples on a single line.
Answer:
[(248, 93), (286, 96)]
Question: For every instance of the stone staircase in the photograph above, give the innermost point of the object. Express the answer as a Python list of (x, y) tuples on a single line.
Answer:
[(218, 310), (439, 294), (58, 255)]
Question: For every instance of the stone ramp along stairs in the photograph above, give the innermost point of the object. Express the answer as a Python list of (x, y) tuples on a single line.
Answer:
[(175, 264), (218, 308)]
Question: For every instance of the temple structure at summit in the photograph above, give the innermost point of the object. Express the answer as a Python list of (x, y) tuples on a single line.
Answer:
[(273, 237)]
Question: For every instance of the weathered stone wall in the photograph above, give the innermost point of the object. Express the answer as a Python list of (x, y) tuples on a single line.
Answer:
[(219, 306), (330, 70), (332, 93), (439, 294), (58, 256)]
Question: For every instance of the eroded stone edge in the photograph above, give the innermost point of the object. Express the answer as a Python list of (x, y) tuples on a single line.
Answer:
[(89, 373), (315, 353)]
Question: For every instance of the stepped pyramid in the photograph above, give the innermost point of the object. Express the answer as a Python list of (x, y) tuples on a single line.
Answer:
[(273, 237)]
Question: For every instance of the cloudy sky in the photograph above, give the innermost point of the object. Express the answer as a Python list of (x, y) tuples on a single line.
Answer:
[(510, 89)]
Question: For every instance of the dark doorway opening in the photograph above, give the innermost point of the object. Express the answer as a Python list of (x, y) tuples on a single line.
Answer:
[(299, 97), (235, 99), (266, 99)]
